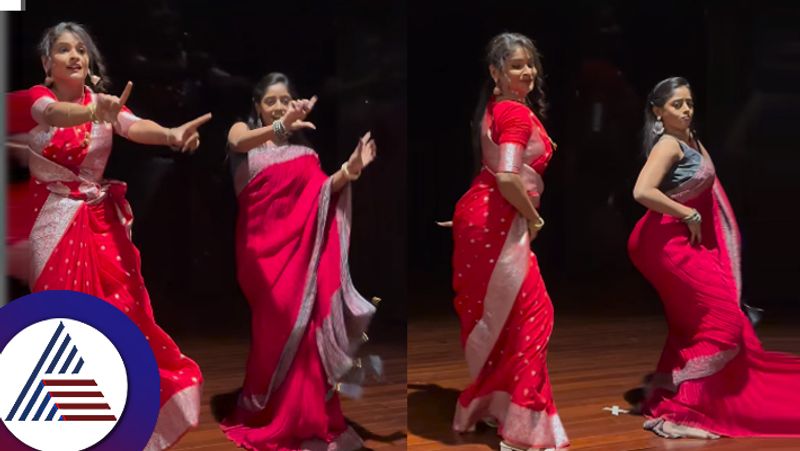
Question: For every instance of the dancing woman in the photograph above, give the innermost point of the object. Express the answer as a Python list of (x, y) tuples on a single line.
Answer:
[(505, 311), (78, 224), (292, 238), (713, 377)]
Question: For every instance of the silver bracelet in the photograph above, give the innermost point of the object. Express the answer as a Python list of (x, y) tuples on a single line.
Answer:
[(279, 129), (693, 217)]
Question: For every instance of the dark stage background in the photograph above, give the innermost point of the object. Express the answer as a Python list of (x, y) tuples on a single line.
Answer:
[(600, 59), (187, 58)]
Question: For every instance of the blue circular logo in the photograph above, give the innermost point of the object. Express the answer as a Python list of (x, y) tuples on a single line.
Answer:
[(76, 373)]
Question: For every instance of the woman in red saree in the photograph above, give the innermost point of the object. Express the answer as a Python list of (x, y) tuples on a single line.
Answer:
[(292, 237), (714, 378), (505, 311), (78, 224), (20, 214)]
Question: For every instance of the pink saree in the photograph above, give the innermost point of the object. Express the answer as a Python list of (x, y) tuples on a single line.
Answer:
[(308, 320), (506, 314), (80, 240), (713, 373)]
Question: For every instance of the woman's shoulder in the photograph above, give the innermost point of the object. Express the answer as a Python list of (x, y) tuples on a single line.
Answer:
[(509, 107), (667, 147), (36, 91), (509, 113)]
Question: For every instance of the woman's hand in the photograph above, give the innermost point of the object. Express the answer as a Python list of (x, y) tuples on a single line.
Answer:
[(364, 154), (108, 107), (695, 236), (294, 117), (694, 221), (534, 227), (186, 138)]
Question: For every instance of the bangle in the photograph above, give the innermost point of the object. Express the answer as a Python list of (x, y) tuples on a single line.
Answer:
[(92, 112), (539, 224), (693, 217), (279, 129), (349, 175)]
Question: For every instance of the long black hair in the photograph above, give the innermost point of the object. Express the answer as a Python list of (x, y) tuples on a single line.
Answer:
[(658, 97), (498, 50), (97, 65)]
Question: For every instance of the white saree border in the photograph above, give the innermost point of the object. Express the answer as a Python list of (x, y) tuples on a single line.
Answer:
[(695, 368), (340, 335), (57, 212), (262, 157), (59, 209), (730, 231), (346, 441), (535, 428), (509, 272), (54, 219), (179, 413)]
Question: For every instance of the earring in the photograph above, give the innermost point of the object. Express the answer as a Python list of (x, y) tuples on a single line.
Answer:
[(496, 91), (658, 127), (48, 80), (94, 79)]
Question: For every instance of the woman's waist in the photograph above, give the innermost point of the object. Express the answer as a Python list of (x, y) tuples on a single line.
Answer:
[(85, 190), (531, 180), (655, 230)]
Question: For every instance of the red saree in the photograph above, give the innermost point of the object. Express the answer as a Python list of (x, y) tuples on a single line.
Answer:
[(20, 214), (713, 373), (308, 320), (506, 314), (80, 241)]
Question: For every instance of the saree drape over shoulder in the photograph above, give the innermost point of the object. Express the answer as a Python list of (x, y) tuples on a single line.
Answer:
[(78, 226)]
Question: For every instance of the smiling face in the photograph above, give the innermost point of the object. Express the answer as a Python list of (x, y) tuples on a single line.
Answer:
[(517, 76), (68, 61), (677, 111), (274, 103)]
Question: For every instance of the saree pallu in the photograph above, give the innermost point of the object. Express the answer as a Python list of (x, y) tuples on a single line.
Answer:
[(713, 373), (308, 320), (80, 241), (69, 229), (506, 320)]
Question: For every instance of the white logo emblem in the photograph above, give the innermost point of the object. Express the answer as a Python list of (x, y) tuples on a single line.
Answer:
[(64, 385)]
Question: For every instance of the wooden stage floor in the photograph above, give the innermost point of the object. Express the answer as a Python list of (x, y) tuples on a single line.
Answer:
[(592, 362), (379, 417)]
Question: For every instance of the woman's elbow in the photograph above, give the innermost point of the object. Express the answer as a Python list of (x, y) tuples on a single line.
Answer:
[(639, 194), (49, 114), (506, 178), (236, 145)]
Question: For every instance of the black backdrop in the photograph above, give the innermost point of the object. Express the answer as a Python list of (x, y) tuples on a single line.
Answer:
[(600, 59), (187, 58)]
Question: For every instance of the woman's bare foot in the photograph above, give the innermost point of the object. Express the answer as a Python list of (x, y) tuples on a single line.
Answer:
[(668, 429)]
